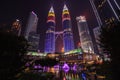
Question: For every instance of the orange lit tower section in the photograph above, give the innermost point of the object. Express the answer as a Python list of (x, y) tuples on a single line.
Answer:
[(50, 33), (67, 33)]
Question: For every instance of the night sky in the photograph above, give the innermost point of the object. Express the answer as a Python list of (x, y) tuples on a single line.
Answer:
[(20, 9)]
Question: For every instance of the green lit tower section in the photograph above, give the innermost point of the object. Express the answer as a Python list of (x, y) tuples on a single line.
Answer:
[(67, 33), (50, 33)]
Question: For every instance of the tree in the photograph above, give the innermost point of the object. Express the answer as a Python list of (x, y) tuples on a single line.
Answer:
[(110, 44), (104, 69), (12, 51), (50, 62)]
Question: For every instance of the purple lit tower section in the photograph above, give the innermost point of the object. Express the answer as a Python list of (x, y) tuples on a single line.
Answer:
[(50, 33), (67, 33)]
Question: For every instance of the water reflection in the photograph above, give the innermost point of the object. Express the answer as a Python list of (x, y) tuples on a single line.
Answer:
[(67, 72)]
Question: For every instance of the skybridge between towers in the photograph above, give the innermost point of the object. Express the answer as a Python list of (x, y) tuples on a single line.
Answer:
[(59, 34)]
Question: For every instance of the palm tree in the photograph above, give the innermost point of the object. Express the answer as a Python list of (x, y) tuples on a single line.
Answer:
[(110, 44), (12, 51)]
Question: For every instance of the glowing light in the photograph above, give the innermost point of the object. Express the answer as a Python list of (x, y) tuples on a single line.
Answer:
[(51, 21), (56, 67), (64, 78), (113, 10), (65, 8), (51, 10), (81, 19), (35, 67), (74, 51), (34, 13), (65, 12), (117, 4), (51, 14), (62, 50), (66, 67), (36, 54), (79, 44), (52, 70), (39, 66), (65, 19), (75, 67), (17, 19), (66, 70), (84, 76)]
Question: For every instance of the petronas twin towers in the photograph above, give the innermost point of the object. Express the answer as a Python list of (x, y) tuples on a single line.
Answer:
[(67, 31)]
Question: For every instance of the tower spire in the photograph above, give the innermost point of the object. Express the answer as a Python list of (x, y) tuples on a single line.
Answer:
[(51, 9), (51, 15), (65, 7), (65, 13)]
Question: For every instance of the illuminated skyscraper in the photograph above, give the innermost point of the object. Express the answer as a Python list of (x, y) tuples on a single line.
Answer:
[(106, 10), (116, 3), (96, 32), (50, 33), (85, 38), (32, 24), (96, 13), (16, 27), (31, 32), (115, 6), (67, 30)]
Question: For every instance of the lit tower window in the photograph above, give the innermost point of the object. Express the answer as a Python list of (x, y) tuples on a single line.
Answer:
[(16, 27)]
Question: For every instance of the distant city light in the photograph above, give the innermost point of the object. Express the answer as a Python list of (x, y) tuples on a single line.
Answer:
[(36, 54), (74, 51), (17, 19), (81, 19), (66, 67), (75, 67)]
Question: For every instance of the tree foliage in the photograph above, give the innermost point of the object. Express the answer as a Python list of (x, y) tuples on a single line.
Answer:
[(110, 44), (37, 76), (47, 62), (12, 50), (109, 37)]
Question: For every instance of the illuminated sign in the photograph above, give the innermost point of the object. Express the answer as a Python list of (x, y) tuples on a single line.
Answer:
[(74, 51), (36, 54)]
